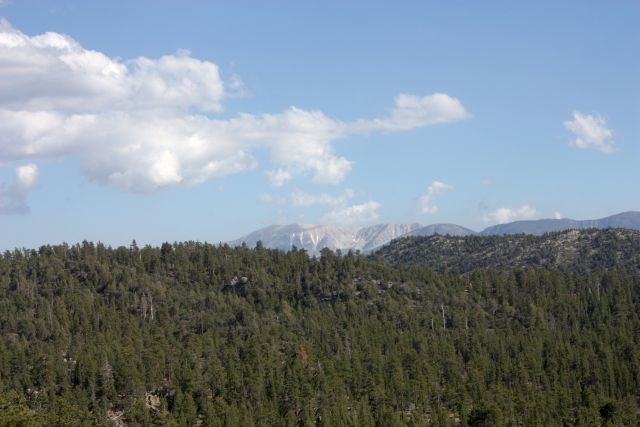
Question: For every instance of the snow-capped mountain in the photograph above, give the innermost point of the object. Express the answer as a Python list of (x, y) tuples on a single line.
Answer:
[(313, 238), (377, 235)]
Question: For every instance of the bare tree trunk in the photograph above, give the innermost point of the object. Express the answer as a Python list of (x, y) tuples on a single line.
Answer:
[(152, 316), (143, 306)]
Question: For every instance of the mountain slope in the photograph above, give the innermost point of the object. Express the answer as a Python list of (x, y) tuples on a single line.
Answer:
[(443, 229), (191, 334), (629, 220), (314, 238), (381, 234), (580, 250)]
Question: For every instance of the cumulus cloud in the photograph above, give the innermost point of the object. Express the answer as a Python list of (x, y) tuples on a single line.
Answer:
[(590, 132), (425, 202), (26, 176), (558, 215), (13, 198), (341, 213), (279, 177), (412, 112), (303, 199), (146, 124), (354, 214), (504, 215)]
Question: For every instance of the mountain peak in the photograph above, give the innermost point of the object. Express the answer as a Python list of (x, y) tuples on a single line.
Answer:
[(313, 238), (629, 219)]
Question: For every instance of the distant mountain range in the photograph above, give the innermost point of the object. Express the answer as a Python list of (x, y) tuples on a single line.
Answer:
[(313, 238), (629, 220), (443, 229)]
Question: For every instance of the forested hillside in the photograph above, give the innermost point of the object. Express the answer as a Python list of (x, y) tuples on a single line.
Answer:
[(196, 334), (578, 250)]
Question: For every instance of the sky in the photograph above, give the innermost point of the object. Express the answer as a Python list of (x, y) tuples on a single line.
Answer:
[(204, 120)]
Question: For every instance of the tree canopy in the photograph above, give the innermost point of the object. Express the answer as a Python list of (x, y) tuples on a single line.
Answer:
[(199, 334)]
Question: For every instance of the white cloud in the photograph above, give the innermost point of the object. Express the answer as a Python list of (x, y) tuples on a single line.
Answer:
[(504, 215), (26, 176), (278, 177), (425, 202), (355, 214), (558, 215), (13, 198), (146, 124), (266, 197), (411, 112), (590, 132), (302, 199)]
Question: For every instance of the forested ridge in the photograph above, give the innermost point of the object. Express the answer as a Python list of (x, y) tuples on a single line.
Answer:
[(199, 334), (577, 250)]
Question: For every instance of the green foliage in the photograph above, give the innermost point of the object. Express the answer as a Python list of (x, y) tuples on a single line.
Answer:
[(193, 333), (574, 250), (15, 412)]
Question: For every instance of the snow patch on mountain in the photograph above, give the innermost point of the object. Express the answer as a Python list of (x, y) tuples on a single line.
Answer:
[(314, 238)]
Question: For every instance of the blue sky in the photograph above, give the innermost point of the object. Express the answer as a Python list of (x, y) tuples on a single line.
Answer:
[(169, 121)]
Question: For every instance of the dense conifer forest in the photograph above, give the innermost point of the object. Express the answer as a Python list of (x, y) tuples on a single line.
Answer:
[(197, 334), (577, 250)]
